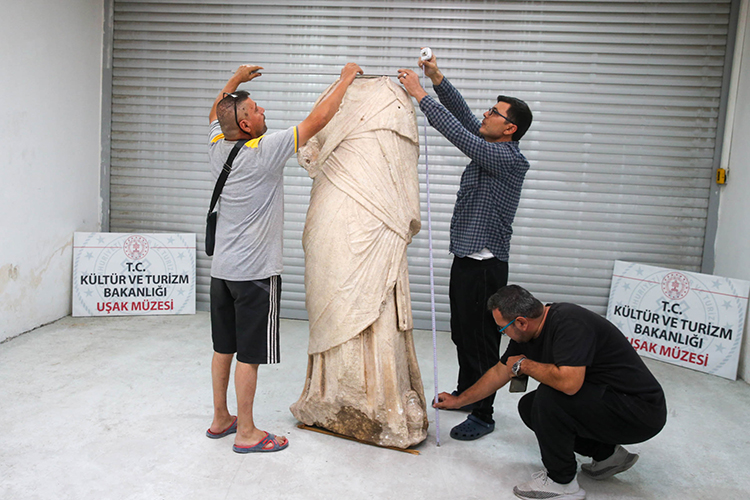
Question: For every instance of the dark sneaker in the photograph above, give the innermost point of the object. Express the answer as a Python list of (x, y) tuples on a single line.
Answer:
[(620, 461)]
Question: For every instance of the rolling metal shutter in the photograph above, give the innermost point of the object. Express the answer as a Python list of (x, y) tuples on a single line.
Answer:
[(626, 98)]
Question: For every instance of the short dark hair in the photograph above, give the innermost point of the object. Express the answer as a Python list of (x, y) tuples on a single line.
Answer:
[(513, 301), (519, 113)]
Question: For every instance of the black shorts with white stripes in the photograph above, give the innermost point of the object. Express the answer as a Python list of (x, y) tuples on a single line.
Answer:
[(245, 319)]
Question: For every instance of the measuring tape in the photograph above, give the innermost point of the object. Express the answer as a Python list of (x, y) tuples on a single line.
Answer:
[(426, 55)]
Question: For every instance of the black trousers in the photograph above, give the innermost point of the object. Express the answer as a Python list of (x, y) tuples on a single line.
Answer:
[(473, 330), (591, 423)]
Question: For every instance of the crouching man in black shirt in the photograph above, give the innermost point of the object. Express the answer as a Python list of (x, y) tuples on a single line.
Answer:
[(595, 393)]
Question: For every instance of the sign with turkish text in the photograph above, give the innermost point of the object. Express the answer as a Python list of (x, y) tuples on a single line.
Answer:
[(121, 274), (688, 319)]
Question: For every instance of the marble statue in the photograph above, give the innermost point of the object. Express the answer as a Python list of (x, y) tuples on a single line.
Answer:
[(363, 379)]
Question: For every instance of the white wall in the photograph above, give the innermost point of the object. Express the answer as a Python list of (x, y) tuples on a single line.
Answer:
[(50, 128), (733, 233)]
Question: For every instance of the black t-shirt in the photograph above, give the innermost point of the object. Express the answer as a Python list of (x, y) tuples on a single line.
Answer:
[(575, 336)]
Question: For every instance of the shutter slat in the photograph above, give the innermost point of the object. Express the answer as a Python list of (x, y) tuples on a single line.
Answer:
[(626, 97)]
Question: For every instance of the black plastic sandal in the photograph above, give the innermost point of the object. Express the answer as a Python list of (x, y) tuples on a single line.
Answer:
[(472, 428)]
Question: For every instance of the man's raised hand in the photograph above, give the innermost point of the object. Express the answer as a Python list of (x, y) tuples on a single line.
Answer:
[(247, 72)]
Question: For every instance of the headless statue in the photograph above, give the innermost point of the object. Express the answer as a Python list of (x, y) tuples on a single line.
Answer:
[(363, 379)]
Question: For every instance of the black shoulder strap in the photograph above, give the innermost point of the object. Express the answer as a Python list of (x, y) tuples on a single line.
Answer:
[(225, 173)]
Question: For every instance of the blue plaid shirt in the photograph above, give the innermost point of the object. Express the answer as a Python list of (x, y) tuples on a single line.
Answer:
[(491, 184)]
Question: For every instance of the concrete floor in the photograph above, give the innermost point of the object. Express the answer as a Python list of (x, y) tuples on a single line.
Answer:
[(116, 408)]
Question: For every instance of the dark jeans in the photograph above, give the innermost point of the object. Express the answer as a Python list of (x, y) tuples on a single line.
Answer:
[(591, 423), (473, 330)]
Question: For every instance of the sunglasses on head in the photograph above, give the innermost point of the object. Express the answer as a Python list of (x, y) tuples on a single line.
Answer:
[(237, 96)]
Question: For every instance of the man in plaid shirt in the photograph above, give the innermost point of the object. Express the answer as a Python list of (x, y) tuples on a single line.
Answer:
[(485, 207)]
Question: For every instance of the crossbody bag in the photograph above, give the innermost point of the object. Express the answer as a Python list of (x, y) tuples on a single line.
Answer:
[(218, 188)]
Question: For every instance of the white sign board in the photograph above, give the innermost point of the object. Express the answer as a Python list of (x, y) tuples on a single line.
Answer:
[(120, 274), (688, 319)]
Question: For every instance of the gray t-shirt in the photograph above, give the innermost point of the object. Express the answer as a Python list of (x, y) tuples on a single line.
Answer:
[(249, 229)]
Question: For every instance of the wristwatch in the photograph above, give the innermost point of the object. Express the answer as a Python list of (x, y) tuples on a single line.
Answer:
[(517, 367)]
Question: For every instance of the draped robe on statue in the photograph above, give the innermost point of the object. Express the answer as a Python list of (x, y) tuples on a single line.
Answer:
[(363, 379)]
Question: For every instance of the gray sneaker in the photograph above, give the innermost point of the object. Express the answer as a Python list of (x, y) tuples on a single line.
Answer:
[(542, 487), (620, 461)]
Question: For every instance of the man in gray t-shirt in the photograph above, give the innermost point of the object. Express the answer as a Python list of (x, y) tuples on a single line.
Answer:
[(249, 229), (247, 261)]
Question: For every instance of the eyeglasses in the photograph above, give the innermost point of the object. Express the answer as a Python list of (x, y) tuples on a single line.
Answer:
[(494, 111), (236, 97), (500, 330)]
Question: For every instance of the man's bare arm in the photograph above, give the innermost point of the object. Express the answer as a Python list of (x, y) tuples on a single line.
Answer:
[(324, 111), (492, 380), (566, 379), (244, 73)]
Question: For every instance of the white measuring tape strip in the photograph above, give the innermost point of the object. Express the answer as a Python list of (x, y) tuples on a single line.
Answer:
[(426, 55)]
